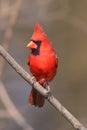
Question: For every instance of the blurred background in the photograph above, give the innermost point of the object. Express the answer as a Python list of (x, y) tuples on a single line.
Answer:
[(65, 23)]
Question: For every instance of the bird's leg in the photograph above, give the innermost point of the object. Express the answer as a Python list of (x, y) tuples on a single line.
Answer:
[(48, 87), (42, 82), (48, 94), (33, 79), (45, 84)]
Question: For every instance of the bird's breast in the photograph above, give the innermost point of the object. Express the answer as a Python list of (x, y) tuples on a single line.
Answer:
[(43, 66)]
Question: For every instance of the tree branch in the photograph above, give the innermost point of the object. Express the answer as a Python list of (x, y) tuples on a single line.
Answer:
[(76, 124)]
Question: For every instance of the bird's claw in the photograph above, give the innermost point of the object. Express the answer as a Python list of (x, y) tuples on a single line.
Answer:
[(48, 95)]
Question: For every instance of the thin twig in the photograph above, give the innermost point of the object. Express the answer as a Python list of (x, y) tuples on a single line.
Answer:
[(4, 113), (76, 124), (14, 12), (11, 109)]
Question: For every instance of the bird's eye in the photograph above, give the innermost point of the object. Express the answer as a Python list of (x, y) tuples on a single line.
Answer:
[(38, 42)]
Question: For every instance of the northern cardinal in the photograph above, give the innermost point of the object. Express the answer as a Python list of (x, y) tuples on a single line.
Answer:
[(42, 63)]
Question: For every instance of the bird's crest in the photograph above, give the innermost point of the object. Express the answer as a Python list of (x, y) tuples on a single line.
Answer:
[(38, 32)]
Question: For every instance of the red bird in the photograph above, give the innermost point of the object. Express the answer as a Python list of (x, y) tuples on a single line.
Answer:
[(42, 62)]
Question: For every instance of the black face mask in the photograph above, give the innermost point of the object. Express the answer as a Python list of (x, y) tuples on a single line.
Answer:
[(35, 51)]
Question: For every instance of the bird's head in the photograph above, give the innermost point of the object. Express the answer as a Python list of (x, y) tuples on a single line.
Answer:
[(39, 40)]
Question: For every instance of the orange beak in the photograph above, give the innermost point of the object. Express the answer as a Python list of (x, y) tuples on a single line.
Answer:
[(31, 45)]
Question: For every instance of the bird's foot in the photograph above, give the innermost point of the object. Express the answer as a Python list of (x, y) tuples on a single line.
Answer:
[(48, 87), (33, 80), (42, 82), (48, 95)]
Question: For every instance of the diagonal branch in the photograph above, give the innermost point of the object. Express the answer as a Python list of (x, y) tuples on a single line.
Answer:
[(76, 124)]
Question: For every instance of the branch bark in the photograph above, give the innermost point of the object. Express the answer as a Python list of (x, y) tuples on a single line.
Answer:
[(52, 100)]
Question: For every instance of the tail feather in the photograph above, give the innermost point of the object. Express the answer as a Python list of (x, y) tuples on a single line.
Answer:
[(36, 98)]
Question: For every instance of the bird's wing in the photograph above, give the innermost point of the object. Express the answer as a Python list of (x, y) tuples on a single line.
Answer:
[(56, 61)]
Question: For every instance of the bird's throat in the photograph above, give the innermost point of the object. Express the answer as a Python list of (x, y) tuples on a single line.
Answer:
[(35, 51)]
